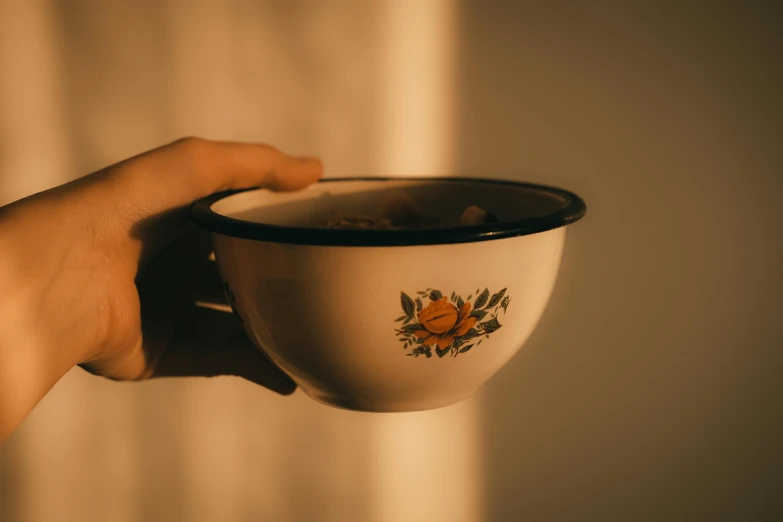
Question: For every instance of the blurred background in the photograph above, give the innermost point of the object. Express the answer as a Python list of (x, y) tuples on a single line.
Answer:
[(651, 390)]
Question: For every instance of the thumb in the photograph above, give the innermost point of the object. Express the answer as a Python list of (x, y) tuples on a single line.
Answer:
[(191, 168), (145, 195)]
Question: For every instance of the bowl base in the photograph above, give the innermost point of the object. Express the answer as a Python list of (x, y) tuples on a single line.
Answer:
[(363, 404)]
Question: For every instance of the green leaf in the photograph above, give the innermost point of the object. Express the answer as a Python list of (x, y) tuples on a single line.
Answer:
[(420, 350), (400, 318), (478, 343), (465, 349), (491, 326), (471, 334), (440, 353), (495, 300), (470, 296), (405, 346), (435, 295), (412, 328), (407, 320), (482, 299), (419, 306), (460, 302), (504, 304), (477, 291), (478, 314), (407, 304)]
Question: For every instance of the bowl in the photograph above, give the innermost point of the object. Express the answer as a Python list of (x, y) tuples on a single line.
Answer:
[(390, 320)]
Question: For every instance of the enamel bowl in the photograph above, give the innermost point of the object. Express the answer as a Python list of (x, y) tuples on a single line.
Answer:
[(389, 320)]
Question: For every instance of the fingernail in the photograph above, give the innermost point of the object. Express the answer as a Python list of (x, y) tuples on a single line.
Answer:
[(307, 159)]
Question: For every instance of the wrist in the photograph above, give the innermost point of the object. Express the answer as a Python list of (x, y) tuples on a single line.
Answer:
[(34, 319), (28, 368)]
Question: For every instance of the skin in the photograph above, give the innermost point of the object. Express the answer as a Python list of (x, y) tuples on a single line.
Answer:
[(103, 273)]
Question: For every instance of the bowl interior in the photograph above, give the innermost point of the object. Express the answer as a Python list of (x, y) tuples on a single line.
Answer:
[(441, 201)]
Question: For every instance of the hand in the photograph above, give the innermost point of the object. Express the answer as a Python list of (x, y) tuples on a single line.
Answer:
[(102, 272)]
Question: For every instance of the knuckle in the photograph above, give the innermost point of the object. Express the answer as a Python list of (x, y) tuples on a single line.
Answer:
[(194, 155), (272, 154), (191, 144)]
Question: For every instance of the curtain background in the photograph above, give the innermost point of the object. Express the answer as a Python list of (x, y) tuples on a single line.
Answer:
[(651, 389)]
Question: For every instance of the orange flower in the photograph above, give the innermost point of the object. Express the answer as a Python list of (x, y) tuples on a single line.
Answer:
[(439, 316), (443, 322)]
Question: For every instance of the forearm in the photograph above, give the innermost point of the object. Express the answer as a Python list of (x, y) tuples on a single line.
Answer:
[(34, 352), (26, 371)]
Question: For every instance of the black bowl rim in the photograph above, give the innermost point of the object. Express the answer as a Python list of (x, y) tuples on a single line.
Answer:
[(572, 210)]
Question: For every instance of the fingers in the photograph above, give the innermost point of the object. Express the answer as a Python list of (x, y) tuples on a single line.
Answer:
[(213, 343), (183, 340), (142, 203), (229, 165), (175, 175)]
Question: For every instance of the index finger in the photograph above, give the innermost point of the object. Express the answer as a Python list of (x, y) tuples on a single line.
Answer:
[(177, 174)]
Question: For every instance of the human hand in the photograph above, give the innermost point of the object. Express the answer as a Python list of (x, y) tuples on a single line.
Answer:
[(102, 272)]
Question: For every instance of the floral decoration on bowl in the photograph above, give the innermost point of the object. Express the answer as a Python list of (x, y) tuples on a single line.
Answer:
[(449, 325)]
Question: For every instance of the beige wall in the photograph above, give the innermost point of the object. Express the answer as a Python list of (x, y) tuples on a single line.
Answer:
[(650, 390)]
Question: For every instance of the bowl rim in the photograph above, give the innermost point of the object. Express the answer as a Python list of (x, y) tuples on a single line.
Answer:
[(572, 210)]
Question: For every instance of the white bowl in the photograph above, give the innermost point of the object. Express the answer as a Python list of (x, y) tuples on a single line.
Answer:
[(389, 320)]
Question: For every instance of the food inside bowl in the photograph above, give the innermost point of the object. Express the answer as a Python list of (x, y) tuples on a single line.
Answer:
[(474, 215), (399, 211), (360, 223)]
